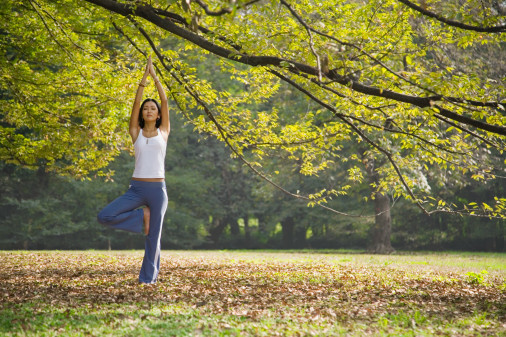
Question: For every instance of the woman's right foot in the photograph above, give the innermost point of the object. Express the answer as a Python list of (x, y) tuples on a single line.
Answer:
[(146, 220)]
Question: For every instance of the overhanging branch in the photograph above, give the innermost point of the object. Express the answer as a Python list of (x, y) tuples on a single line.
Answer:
[(149, 13), (222, 11), (495, 29), (227, 137)]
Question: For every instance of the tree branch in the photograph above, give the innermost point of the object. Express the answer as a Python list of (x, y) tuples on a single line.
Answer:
[(178, 18), (496, 29), (227, 137), (440, 117), (359, 133), (486, 141), (222, 11), (149, 13), (436, 96)]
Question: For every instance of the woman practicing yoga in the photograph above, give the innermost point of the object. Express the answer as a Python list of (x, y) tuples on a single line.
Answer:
[(149, 129)]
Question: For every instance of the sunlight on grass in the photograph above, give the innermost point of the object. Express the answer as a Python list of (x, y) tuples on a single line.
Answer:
[(494, 263), (169, 320), (252, 293)]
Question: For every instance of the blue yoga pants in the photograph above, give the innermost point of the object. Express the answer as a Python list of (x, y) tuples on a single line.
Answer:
[(124, 213)]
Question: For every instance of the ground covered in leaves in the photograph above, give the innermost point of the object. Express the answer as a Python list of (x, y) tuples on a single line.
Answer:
[(252, 294)]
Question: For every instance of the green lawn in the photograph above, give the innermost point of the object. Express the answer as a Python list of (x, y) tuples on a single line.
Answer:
[(249, 293)]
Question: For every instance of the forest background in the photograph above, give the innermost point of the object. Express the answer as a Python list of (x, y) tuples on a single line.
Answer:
[(68, 79)]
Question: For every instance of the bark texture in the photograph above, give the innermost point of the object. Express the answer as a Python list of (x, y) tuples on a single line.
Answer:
[(381, 230)]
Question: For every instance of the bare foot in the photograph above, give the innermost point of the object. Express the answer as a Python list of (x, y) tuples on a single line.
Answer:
[(146, 220)]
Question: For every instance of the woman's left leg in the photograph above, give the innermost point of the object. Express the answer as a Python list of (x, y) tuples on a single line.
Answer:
[(156, 197), (123, 212)]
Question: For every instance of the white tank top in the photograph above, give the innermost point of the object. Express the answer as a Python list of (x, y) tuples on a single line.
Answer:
[(150, 156)]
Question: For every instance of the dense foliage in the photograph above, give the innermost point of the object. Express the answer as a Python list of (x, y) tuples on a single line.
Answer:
[(351, 106), (62, 90)]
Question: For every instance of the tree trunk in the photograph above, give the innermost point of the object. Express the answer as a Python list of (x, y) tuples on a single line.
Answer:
[(380, 231), (217, 227), (262, 225), (234, 226), (247, 229), (499, 242), (288, 225), (300, 237)]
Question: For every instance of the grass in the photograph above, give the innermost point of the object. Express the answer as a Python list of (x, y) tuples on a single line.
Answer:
[(253, 293), (470, 261)]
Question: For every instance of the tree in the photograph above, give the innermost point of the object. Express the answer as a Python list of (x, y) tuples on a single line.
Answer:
[(382, 74), (63, 89)]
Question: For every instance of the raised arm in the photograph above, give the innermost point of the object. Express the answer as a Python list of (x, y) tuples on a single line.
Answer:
[(134, 127), (165, 124)]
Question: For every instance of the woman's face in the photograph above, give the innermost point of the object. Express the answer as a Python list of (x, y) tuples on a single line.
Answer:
[(150, 112)]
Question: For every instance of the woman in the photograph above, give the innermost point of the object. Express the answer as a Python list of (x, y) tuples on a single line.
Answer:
[(149, 129)]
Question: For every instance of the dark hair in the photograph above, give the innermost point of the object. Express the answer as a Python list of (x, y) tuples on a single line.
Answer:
[(158, 120)]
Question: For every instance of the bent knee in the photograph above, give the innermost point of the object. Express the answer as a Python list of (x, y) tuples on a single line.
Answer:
[(104, 218)]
